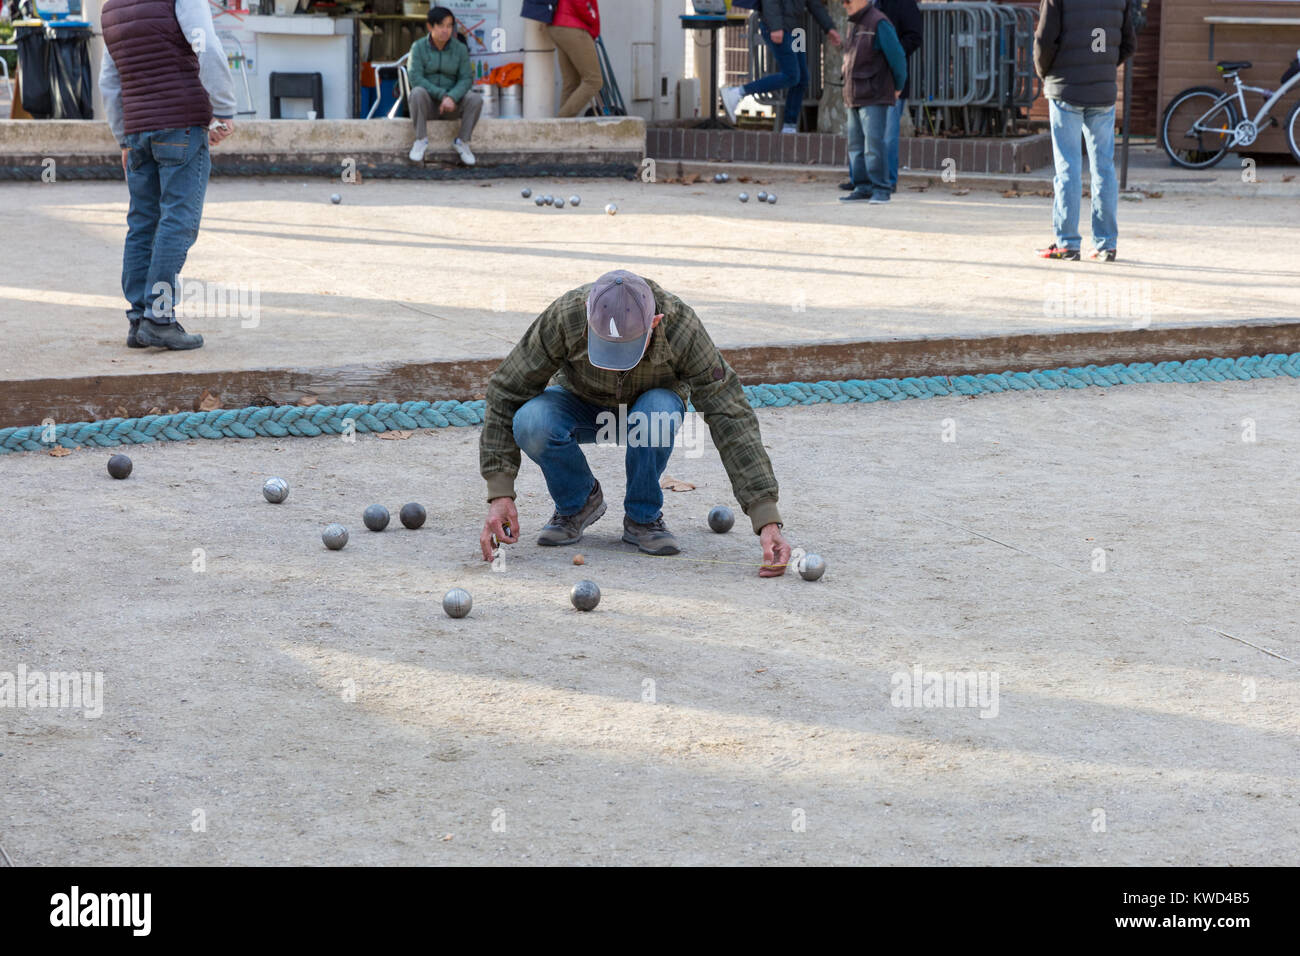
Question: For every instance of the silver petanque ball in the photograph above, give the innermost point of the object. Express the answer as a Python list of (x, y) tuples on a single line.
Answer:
[(376, 517), (611, 209), (457, 602), (575, 200), (771, 197), (525, 192), (717, 177), (540, 200), (585, 595), (721, 519), (275, 490), (762, 197), (725, 177), (335, 536), (559, 203), (336, 199), (743, 197), (548, 199), (811, 567)]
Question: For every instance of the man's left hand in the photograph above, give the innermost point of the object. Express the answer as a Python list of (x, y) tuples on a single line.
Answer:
[(447, 105), (776, 551), (835, 37)]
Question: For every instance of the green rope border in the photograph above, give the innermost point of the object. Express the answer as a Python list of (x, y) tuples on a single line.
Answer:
[(285, 421)]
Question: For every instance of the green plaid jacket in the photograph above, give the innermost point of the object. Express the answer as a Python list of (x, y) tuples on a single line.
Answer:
[(681, 356)]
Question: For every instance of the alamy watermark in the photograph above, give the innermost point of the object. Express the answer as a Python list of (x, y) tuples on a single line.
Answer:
[(82, 690), (922, 688), (652, 430)]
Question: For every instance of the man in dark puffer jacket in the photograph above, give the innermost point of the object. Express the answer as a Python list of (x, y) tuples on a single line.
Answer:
[(1078, 47)]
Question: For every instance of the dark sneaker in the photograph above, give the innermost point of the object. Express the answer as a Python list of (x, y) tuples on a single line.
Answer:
[(172, 335), (1102, 255), (652, 538), (132, 342), (856, 197), (1057, 252), (567, 529), (848, 186)]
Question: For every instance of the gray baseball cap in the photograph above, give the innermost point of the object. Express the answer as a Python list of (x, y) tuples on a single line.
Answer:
[(620, 318)]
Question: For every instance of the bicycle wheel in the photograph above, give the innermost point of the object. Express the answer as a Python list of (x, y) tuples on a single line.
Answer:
[(1293, 132), (1195, 132)]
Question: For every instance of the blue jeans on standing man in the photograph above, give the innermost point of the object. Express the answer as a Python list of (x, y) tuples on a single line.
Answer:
[(1095, 125), (549, 429), (868, 166), (891, 141), (793, 75), (167, 178)]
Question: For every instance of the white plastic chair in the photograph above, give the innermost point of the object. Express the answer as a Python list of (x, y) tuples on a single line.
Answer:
[(403, 85)]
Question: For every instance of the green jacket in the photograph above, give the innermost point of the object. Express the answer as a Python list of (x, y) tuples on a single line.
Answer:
[(442, 72), (681, 356)]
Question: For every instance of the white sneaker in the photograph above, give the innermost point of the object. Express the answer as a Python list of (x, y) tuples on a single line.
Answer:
[(731, 97), (789, 128), (418, 150), (462, 148)]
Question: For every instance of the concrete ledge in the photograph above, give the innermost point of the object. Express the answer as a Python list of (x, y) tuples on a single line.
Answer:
[(28, 402), (82, 149)]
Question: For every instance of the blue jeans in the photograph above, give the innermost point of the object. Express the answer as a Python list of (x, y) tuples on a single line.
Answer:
[(1096, 126), (793, 75), (891, 141), (868, 167), (549, 429), (167, 178)]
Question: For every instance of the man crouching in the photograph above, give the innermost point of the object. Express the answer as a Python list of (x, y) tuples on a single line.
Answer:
[(619, 346)]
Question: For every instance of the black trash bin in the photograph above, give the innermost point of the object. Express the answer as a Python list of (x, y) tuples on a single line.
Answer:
[(54, 67)]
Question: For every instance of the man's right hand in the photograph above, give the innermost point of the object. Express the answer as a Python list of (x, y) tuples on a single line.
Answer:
[(447, 105), (501, 512), (777, 36)]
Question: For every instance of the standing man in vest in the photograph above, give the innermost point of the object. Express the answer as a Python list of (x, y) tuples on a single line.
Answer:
[(1078, 48), (875, 72), (164, 78), (905, 15)]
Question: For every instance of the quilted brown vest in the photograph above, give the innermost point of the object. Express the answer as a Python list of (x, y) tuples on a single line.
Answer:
[(158, 68)]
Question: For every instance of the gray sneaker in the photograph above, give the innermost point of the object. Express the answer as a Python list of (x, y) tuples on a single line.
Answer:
[(652, 538), (171, 335), (567, 529)]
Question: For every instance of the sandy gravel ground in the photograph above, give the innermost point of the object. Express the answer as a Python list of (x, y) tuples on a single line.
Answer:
[(317, 707), (415, 271)]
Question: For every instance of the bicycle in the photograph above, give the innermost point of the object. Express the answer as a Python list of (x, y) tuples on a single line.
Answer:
[(1201, 123)]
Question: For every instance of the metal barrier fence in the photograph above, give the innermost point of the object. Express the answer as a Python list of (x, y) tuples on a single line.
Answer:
[(974, 72)]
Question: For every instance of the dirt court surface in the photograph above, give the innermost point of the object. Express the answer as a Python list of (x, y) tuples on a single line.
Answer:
[(225, 691), (421, 271)]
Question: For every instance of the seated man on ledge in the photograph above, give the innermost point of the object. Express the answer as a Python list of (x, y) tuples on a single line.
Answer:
[(440, 85), (618, 348)]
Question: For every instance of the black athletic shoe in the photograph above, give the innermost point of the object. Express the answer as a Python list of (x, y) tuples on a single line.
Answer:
[(131, 341), (567, 529), (171, 335), (1102, 255), (848, 187), (1057, 252), (856, 196), (653, 538)]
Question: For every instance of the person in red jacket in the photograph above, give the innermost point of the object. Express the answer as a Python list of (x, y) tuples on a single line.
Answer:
[(573, 30)]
